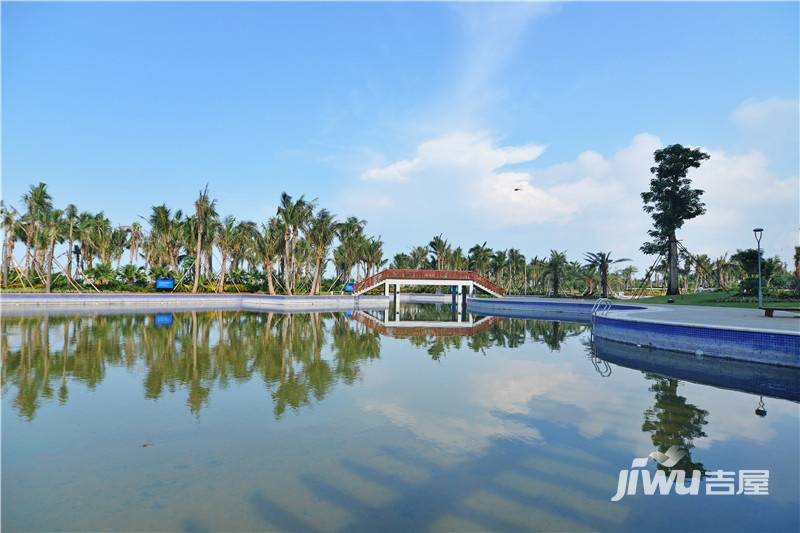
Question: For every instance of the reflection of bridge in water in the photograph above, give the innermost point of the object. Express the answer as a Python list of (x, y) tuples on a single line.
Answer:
[(394, 326)]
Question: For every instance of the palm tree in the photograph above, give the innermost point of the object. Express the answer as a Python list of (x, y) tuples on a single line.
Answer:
[(480, 257), (401, 260), (53, 230), (119, 238), (627, 274), (373, 255), (556, 267), (204, 212), (536, 270), (498, 264), (456, 259), (351, 235), (37, 200), (166, 236), (71, 221), (131, 274), (86, 222), (102, 238), (515, 261), (321, 234), (418, 258), (295, 216), (135, 240), (226, 237), (268, 248), (438, 247), (797, 268), (703, 268), (9, 217), (601, 261)]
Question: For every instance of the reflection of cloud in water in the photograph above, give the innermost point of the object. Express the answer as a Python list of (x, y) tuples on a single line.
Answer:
[(510, 388), (453, 433), (561, 392), (506, 401), (732, 415)]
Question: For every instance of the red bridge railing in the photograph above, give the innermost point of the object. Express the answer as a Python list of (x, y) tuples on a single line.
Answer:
[(422, 274)]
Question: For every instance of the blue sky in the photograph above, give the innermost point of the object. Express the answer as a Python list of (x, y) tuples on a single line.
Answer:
[(421, 118)]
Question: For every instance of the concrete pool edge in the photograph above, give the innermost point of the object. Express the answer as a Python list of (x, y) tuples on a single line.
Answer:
[(665, 327), (21, 304)]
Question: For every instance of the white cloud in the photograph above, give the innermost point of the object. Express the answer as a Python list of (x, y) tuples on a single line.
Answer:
[(756, 114), (472, 187), (734, 182), (454, 150), (474, 166)]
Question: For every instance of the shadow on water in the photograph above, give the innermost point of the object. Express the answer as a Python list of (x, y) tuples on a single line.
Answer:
[(511, 485)]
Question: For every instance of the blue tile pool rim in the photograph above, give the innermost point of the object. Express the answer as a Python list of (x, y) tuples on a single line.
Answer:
[(636, 325)]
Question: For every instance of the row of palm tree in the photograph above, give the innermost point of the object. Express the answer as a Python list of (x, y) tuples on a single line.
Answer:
[(555, 274), (289, 253), (513, 271)]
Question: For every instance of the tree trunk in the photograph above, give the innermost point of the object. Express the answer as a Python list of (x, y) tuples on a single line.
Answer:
[(28, 242), (672, 261), (197, 261), (209, 263), (70, 244), (287, 257), (293, 261), (317, 276), (268, 270), (221, 285), (8, 251), (49, 269)]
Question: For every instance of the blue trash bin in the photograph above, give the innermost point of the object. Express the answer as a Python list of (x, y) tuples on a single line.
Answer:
[(165, 284)]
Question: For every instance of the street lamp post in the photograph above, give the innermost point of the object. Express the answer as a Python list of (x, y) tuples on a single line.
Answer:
[(757, 232)]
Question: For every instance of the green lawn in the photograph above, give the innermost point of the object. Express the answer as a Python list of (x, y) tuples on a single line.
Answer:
[(719, 299)]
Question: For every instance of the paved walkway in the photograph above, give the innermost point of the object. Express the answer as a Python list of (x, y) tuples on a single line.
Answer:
[(725, 317)]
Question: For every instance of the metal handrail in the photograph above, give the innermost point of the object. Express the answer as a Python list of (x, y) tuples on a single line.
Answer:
[(601, 307)]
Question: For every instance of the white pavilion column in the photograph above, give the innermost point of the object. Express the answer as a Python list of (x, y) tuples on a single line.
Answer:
[(386, 288)]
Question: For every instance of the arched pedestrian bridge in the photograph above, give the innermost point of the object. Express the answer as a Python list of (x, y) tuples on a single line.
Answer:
[(463, 280)]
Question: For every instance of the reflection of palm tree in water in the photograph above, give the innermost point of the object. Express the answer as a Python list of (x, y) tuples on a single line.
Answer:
[(508, 332), (197, 353), (674, 422), (553, 334), (204, 350)]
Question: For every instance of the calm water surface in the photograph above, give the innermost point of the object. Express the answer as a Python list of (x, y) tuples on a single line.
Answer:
[(242, 421)]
